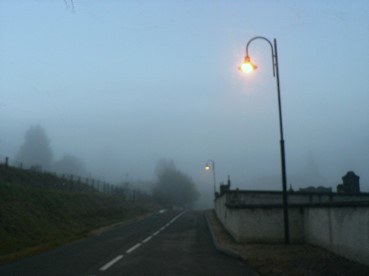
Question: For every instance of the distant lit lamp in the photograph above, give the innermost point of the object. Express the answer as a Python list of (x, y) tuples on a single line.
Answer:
[(248, 67), (210, 165)]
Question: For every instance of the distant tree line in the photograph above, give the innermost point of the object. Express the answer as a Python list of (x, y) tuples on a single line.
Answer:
[(173, 187), (36, 152)]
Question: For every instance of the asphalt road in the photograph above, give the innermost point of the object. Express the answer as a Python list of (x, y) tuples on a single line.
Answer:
[(167, 243)]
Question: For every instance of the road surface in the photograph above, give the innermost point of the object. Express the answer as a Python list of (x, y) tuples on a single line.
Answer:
[(166, 243)]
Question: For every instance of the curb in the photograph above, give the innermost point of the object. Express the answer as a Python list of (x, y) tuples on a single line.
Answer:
[(217, 245)]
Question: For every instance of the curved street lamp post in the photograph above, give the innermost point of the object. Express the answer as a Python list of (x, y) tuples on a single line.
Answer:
[(210, 165), (248, 67)]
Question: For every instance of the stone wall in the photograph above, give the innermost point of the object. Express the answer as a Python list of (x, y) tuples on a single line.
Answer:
[(341, 227), (274, 197), (342, 230)]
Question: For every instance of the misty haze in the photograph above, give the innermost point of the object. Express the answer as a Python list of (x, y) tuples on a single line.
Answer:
[(121, 86), (132, 99)]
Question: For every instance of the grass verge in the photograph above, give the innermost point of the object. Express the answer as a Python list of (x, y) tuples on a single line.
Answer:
[(34, 219)]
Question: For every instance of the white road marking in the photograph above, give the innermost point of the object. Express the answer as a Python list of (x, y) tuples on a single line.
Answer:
[(116, 259), (133, 248), (162, 211), (147, 239), (109, 264)]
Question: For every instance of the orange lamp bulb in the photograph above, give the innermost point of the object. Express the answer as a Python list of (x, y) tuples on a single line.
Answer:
[(247, 66)]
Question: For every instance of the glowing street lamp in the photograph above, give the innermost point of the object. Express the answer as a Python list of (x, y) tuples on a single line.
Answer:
[(210, 165), (248, 67)]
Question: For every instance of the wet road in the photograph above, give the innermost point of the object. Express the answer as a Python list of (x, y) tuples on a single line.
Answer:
[(166, 243)]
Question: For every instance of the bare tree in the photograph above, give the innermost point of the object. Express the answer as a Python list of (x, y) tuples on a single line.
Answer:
[(69, 3)]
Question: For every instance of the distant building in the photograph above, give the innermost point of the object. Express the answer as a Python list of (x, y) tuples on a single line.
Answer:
[(225, 187), (350, 184), (317, 190)]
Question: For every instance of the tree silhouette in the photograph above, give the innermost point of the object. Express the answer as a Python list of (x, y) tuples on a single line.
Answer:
[(174, 188), (70, 164), (35, 151)]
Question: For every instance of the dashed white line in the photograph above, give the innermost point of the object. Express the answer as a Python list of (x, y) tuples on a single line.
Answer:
[(109, 264), (116, 259), (133, 248), (147, 239)]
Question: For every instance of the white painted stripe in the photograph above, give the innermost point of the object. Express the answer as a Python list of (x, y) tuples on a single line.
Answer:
[(116, 259), (147, 239), (177, 217), (133, 248), (109, 264)]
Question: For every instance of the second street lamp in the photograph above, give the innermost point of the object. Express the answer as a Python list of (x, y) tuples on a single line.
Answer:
[(248, 67), (210, 165)]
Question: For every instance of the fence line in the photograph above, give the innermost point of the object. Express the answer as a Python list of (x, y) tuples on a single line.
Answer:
[(69, 179)]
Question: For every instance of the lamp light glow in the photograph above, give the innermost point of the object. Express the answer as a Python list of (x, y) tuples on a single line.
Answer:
[(247, 66)]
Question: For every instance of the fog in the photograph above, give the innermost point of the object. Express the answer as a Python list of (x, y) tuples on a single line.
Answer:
[(121, 85)]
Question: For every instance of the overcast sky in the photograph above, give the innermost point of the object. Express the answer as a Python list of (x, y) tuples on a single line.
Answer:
[(122, 84)]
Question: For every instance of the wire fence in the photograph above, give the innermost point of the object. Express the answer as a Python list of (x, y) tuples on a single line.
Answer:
[(28, 174)]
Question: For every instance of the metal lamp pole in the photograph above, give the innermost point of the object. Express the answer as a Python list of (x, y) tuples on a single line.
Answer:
[(251, 67)]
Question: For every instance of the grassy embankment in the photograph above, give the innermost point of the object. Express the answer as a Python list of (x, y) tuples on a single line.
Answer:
[(39, 211)]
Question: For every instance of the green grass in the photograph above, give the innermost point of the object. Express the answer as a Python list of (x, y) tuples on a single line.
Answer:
[(35, 217)]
